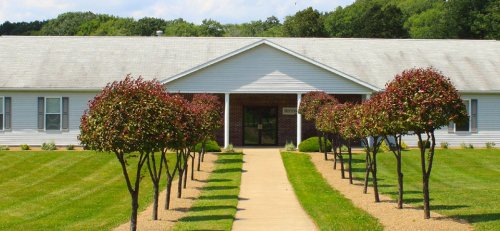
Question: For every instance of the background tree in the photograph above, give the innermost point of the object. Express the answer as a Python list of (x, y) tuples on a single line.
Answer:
[(148, 26), (311, 104), (21, 28), (211, 28), (123, 119), (67, 23), (428, 101), (180, 27), (305, 23)]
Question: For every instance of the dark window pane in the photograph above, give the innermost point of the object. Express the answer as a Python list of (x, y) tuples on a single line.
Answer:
[(1, 121), (463, 127), (53, 122)]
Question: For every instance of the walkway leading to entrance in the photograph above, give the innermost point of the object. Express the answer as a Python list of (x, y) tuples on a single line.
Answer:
[(267, 200)]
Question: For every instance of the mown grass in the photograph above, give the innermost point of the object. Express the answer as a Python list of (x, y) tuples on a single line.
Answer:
[(464, 184), (65, 190), (216, 207), (327, 207)]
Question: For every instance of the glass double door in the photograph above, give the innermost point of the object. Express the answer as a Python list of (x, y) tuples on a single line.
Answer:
[(260, 126)]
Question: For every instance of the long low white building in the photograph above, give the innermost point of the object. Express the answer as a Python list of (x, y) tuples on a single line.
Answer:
[(46, 82)]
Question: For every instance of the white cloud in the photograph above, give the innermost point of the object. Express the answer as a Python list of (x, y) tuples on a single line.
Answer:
[(225, 11)]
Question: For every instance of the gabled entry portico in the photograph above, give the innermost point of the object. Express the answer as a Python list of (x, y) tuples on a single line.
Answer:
[(262, 85)]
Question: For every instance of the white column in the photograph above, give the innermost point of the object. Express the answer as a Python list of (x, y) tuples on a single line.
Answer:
[(226, 120), (299, 120), (367, 97), (370, 139)]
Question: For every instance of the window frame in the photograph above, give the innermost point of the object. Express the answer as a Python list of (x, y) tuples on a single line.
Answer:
[(45, 113), (2, 98), (469, 116)]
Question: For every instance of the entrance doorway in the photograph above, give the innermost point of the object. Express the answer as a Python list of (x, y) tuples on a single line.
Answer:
[(260, 126)]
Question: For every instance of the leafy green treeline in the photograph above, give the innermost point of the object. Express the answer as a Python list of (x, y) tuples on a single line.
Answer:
[(461, 19)]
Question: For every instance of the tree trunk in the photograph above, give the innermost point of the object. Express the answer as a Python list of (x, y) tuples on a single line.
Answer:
[(349, 149), (203, 145), (186, 166), (201, 154), (320, 144), (374, 176), (169, 191), (425, 187), (400, 182), (179, 184), (367, 172), (341, 159), (192, 165), (135, 207), (325, 140), (425, 175), (155, 202)]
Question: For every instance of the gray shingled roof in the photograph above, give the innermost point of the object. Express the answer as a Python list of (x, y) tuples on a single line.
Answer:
[(91, 62)]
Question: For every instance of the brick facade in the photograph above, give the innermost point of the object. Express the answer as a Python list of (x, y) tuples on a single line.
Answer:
[(287, 124)]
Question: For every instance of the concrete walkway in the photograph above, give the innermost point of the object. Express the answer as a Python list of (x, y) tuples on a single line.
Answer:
[(267, 200)]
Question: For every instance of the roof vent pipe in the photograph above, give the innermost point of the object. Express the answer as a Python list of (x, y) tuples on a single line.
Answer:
[(159, 33)]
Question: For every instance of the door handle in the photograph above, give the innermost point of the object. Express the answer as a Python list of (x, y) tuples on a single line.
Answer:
[(259, 126)]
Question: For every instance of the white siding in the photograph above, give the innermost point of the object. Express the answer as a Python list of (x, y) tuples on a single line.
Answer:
[(264, 69), (488, 121), (24, 119)]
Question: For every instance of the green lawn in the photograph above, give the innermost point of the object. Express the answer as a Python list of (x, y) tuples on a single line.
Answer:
[(327, 207), (65, 190), (464, 184), (217, 204)]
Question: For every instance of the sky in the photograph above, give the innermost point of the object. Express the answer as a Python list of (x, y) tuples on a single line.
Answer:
[(224, 11)]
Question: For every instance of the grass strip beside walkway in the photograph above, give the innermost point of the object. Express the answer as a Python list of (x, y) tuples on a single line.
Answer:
[(216, 207), (327, 207)]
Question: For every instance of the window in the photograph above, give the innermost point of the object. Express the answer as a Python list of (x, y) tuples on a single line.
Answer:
[(465, 125), (1, 113), (53, 113)]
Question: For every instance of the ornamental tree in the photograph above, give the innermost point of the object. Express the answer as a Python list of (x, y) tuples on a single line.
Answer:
[(348, 130), (211, 119), (310, 106), (126, 117), (329, 121), (427, 100), (371, 126), (177, 108), (394, 129)]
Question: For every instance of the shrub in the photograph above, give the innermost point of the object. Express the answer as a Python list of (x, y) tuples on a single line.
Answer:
[(70, 147), (384, 147), (229, 148), (4, 148), (404, 146), (344, 148), (470, 146), (463, 146), (311, 145), (49, 146), (490, 145), (289, 146), (444, 145), (210, 146), (427, 144), (24, 147)]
